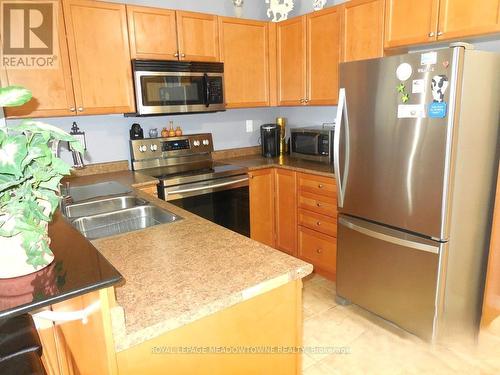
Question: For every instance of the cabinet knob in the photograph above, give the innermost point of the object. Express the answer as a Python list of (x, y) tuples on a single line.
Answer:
[(80, 109), (319, 251), (320, 186), (306, 100), (318, 204), (251, 176), (72, 109), (176, 54), (431, 34), (318, 223), (183, 55), (302, 100), (440, 33)]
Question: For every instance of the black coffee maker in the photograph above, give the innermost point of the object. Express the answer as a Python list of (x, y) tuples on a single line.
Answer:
[(270, 140), (136, 132)]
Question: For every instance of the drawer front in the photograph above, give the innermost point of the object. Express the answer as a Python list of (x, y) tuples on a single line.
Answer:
[(319, 249), (318, 222), (318, 203), (317, 185)]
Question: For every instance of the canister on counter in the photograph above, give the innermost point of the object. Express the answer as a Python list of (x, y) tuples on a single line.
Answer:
[(281, 122)]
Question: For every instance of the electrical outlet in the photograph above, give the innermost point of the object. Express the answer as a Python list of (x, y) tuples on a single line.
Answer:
[(249, 126)]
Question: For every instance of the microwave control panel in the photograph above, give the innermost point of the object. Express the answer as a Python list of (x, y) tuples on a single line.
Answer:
[(215, 91)]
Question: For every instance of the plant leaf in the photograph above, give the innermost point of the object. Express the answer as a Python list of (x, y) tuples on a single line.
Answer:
[(13, 96)]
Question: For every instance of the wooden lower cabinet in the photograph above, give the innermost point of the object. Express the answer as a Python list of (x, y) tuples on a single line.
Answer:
[(297, 214), (77, 347), (286, 211), (272, 319), (262, 205)]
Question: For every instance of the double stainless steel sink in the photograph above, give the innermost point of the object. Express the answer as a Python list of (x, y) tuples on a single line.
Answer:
[(108, 216)]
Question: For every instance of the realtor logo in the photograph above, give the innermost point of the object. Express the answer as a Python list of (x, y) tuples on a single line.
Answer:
[(29, 34)]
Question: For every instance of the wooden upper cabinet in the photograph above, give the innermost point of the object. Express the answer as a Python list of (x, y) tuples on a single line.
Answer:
[(323, 56), (363, 30), (286, 211), (198, 36), (410, 22), (262, 206), (100, 56), (152, 33), (458, 18), (291, 61), (244, 49), (52, 89)]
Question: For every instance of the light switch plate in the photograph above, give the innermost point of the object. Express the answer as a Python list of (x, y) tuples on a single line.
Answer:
[(249, 125)]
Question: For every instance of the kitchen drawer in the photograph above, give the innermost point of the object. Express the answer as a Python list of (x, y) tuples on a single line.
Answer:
[(317, 248), (317, 184), (318, 222), (318, 203)]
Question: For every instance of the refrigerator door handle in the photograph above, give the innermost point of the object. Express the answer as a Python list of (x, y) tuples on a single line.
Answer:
[(388, 238), (341, 180)]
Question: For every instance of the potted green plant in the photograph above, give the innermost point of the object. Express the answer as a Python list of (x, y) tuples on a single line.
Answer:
[(30, 173)]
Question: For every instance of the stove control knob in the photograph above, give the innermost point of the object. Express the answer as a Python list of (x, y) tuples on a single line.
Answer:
[(206, 142), (196, 143), (153, 148), (142, 148)]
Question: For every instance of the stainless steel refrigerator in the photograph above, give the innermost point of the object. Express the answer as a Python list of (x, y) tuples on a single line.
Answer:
[(415, 157)]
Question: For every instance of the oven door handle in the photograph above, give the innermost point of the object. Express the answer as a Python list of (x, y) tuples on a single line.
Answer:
[(222, 184), (207, 90)]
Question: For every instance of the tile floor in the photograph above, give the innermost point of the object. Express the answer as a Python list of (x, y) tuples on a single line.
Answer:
[(366, 344)]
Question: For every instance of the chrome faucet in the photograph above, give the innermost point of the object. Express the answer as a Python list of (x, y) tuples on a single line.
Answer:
[(77, 156)]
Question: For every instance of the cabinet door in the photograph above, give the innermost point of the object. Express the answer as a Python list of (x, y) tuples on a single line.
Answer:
[(410, 22), (262, 206), (458, 18), (152, 33), (100, 56), (52, 89), (244, 49), (363, 30), (323, 56), (291, 47), (286, 211), (198, 36)]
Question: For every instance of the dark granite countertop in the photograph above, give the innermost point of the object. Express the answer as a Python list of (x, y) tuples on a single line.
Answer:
[(78, 268), (253, 162)]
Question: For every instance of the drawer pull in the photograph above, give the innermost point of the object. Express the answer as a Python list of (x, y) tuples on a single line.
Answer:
[(318, 223), (318, 204), (320, 186), (319, 251)]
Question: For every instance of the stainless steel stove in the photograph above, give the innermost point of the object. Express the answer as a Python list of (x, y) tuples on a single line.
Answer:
[(190, 179)]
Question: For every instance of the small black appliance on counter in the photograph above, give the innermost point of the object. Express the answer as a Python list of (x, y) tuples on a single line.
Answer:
[(136, 132), (270, 140)]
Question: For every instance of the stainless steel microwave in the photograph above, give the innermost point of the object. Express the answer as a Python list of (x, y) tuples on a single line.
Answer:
[(312, 143), (168, 87)]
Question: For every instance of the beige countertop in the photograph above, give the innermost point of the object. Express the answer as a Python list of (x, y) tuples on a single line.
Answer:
[(253, 162), (179, 272)]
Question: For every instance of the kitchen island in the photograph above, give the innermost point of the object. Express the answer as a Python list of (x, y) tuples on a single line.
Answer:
[(198, 298)]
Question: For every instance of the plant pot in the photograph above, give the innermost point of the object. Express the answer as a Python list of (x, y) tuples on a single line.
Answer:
[(13, 258), (238, 11)]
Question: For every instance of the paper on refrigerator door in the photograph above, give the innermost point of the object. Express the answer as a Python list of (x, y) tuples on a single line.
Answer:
[(411, 111)]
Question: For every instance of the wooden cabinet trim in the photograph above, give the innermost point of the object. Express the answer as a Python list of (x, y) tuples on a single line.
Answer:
[(318, 222), (286, 210), (262, 211)]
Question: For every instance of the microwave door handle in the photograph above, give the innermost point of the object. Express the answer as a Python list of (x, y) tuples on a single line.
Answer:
[(206, 89)]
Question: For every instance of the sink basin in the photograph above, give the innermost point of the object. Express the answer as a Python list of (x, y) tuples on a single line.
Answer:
[(123, 221), (101, 189), (102, 206)]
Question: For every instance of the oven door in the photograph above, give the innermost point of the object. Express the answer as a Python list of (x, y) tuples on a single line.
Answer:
[(224, 201), (175, 92)]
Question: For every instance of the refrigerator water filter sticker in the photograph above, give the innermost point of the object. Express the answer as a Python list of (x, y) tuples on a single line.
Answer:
[(437, 110), (411, 111)]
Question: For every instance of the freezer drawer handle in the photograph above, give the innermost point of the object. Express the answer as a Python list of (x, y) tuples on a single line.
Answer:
[(391, 239)]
